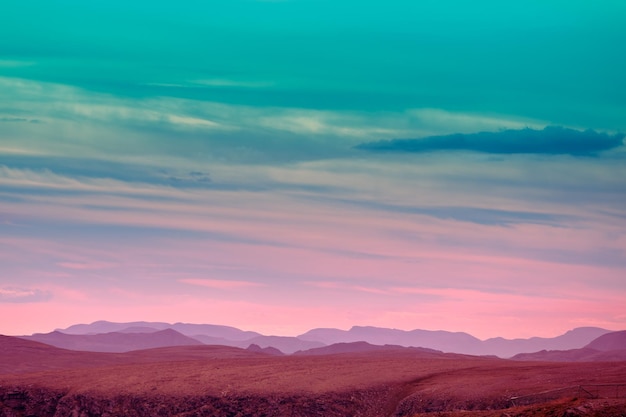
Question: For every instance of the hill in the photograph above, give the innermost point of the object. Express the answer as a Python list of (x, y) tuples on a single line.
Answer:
[(361, 347), (608, 347), (434, 339), (573, 355), (573, 339), (18, 356), (265, 350), (114, 341), (225, 381), (284, 344), (609, 341)]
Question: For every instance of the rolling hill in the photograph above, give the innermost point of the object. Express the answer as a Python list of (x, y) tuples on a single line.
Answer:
[(609, 341), (225, 381), (114, 341)]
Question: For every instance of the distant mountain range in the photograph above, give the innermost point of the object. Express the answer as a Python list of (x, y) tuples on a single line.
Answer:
[(103, 336), (364, 347), (213, 330), (608, 347), (115, 341), (455, 342)]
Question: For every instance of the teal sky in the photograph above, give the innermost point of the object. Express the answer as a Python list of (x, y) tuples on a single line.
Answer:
[(555, 61), (243, 154)]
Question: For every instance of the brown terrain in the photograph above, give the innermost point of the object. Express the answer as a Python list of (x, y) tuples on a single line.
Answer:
[(41, 380)]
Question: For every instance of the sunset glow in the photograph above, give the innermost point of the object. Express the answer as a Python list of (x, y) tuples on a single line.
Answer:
[(238, 162)]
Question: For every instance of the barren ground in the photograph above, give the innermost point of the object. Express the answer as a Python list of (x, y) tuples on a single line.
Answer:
[(215, 381)]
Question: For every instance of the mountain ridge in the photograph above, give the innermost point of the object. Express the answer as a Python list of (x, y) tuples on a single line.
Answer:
[(113, 342), (441, 340)]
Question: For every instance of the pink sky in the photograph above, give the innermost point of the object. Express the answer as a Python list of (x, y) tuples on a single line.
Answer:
[(282, 262)]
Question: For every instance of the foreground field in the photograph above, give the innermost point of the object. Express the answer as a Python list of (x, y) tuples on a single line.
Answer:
[(217, 381), (572, 407)]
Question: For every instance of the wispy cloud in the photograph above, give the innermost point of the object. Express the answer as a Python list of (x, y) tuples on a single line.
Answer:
[(236, 131), (225, 82), (441, 121), (18, 119), (47, 180), (84, 266), (479, 215), (23, 295), (13, 63), (344, 286), (221, 284)]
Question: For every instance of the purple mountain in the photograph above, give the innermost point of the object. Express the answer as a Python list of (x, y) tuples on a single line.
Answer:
[(114, 341), (188, 329), (455, 341), (440, 340), (609, 341), (360, 347), (433, 339)]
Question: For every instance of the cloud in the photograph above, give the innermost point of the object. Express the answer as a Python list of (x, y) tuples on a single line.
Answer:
[(490, 216), (332, 285), (48, 180), (223, 82), (218, 131), (220, 283), (441, 122), (84, 266), (191, 177), (477, 215), (212, 130), (23, 295), (551, 140), (18, 119), (10, 63)]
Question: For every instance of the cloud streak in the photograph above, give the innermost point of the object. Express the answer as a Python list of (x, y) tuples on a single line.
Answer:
[(221, 284), (23, 295), (549, 141), (478, 215)]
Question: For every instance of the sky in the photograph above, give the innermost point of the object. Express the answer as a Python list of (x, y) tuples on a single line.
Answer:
[(285, 165)]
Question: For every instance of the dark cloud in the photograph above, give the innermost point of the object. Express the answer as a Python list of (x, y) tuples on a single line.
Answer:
[(549, 141), (191, 178)]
